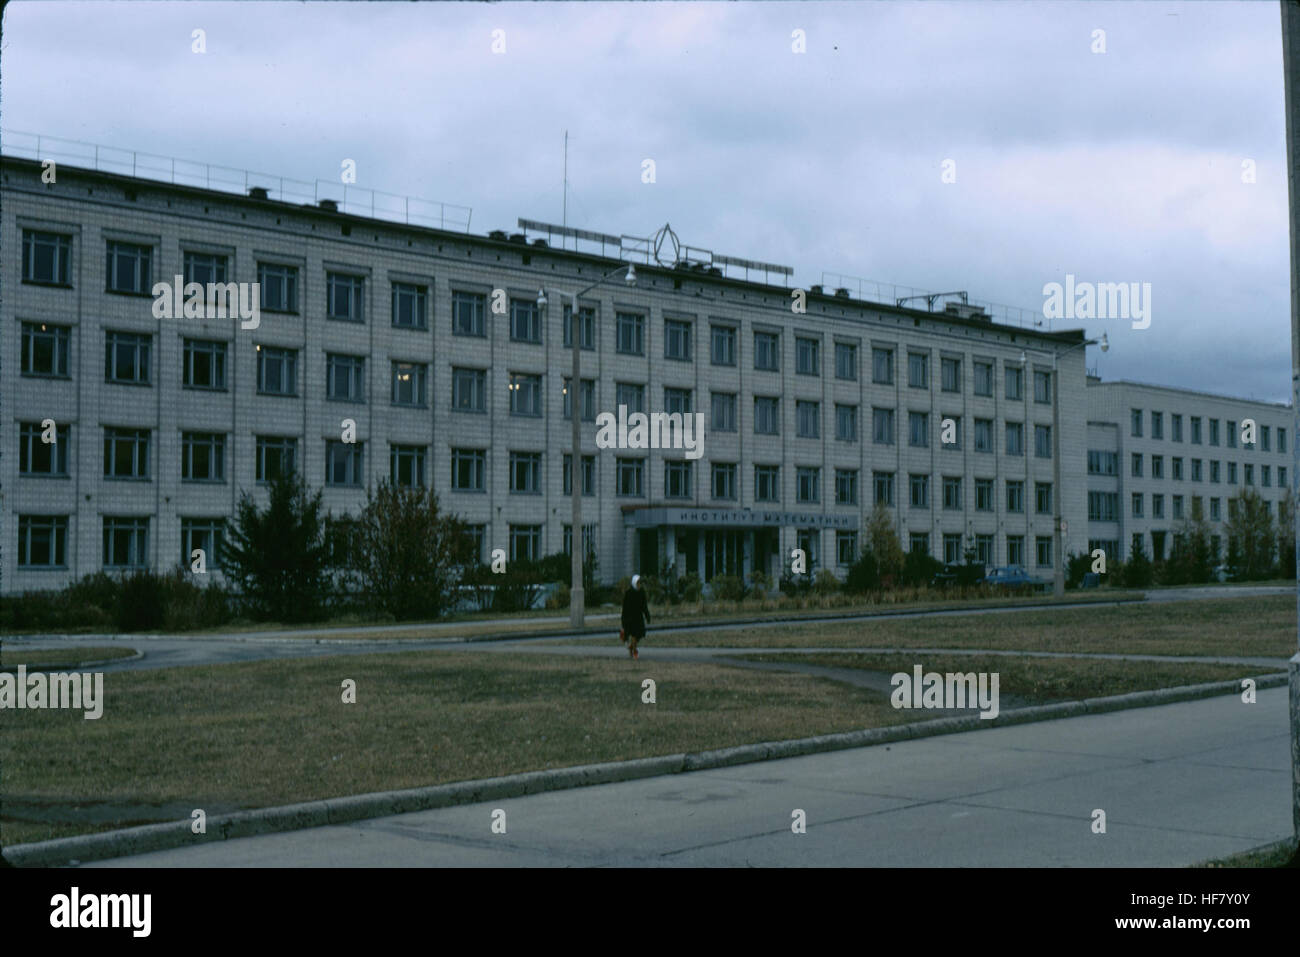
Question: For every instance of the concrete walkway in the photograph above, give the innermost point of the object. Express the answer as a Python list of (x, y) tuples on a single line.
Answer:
[(1179, 783)]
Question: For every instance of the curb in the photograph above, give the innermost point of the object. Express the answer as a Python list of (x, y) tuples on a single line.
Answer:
[(343, 810), (75, 666)]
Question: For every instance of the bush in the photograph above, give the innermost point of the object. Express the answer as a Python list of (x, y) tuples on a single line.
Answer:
[(761, 583), (919, 568), (728, 588), (864, 575), (1076, 566), (826, 583), (1138, 571)]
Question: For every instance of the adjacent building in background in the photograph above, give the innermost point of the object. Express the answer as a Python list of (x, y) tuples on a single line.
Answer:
[(428, 349), (1157, 455)]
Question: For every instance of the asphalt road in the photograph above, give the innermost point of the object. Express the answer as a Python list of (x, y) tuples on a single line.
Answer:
[(1178, 783)]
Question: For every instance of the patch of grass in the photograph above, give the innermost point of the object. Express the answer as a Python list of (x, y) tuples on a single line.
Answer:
[(1280, 854), (1038, 680), (12, 657), (264, 733), (1260, 626)]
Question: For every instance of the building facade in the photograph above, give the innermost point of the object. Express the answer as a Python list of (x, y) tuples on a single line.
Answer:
[(1158, 455), (423, 356)]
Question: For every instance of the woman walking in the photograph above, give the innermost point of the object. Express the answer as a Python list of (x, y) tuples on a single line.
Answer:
[(635, 615)]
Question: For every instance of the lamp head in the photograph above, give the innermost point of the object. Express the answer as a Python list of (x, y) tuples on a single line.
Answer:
[(630, 278), (1023, 357), (541, 297), (1105, 343)]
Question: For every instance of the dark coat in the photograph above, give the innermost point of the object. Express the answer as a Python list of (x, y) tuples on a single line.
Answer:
[(635, 613)]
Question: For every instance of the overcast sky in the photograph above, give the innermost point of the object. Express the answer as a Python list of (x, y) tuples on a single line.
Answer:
[(1122, 166)]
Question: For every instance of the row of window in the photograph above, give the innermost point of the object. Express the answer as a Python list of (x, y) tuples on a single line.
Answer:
[(1104, 507), (1230, 433), (1176, 470)]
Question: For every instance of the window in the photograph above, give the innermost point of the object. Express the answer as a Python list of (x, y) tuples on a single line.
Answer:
[(343, 462), (882, 426), (1043, 498), (1196, 469), (525, 394), (1015, 438), (766, 415), (586, 327), (1232, 473), (846, 423), (126, 453), (724, 480), (677, 401), (275, 456), (1232, 435), (1176, 427), (1135, 423), (846, 486), (1177, 507), (723, 411), (1214, 471), (1214, 434), (204, 365), (1248, 473), (631, 333), (1281, 475), (128, 268), (984, 549), (409, 382), (525, 321), (588, 540), (1015, 549), (42, 541), (630, 477), (1157, 466), (525, 543), (1198, 508), (808, 484), (588, 474), (1042, 387), (767, 487), (677, 340), (952, 549), (920, 491), (1103, 506), (1157, 425), (344, 299), (1015, 382), (45, 350), (207, 534), (344, 377), (410, 309), (47, 259), (277, 371), (808, 417), (950, 375), (468, 470), (952, 492), (1135, 465), (1157, 506), (984, 378), (983, 495), (677, 479), (204, 268), (526, 473), (724, 345), (918, 429), (126, 357), (1281, 440), (1043, 441), (588, 399), (126, 542), (846, 547), (1196, 430), (809, 541), (983, 435), (882, 366), (1101, 462), (918, 370), (467, 309), (950, 432), (203, 457), (919, 542), (631, 395), (767, 351), (883, 488), (279, 287), (37, 457), (846, 361), (406, 465), (1215, 513), (807, 356), (1043, 550), (1265, 437), (1015, 495), (469, 390)]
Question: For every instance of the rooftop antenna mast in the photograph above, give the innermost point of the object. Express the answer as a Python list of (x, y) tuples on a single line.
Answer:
[(566, 179)]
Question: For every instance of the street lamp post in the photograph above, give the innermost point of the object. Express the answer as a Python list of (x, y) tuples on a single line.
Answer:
[(577, 594), (1058, 576)]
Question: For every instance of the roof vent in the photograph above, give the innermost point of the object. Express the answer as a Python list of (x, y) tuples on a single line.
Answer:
[(498, 234), (329, 205), (817, 290), (964, 310), (258, 192), (519, 238), (841, 293), (539, 242)]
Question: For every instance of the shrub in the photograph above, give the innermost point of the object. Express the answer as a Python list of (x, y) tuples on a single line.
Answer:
[(1076, 566), (864, 575), (728, 588), (826, 583), (1138, 572), (919, 568)]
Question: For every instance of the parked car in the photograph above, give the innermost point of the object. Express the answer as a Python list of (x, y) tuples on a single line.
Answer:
[(1014, 577)]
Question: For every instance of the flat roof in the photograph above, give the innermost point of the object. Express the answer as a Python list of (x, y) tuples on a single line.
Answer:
[(1095, 382)]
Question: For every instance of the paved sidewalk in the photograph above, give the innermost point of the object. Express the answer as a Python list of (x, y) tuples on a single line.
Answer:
[(1179, 784)]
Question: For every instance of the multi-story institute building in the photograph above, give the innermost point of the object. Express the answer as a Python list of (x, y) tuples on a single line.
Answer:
[(811, 417), (1157, 456)]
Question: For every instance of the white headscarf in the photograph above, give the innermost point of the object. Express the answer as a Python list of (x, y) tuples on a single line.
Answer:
[(635, 579)]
